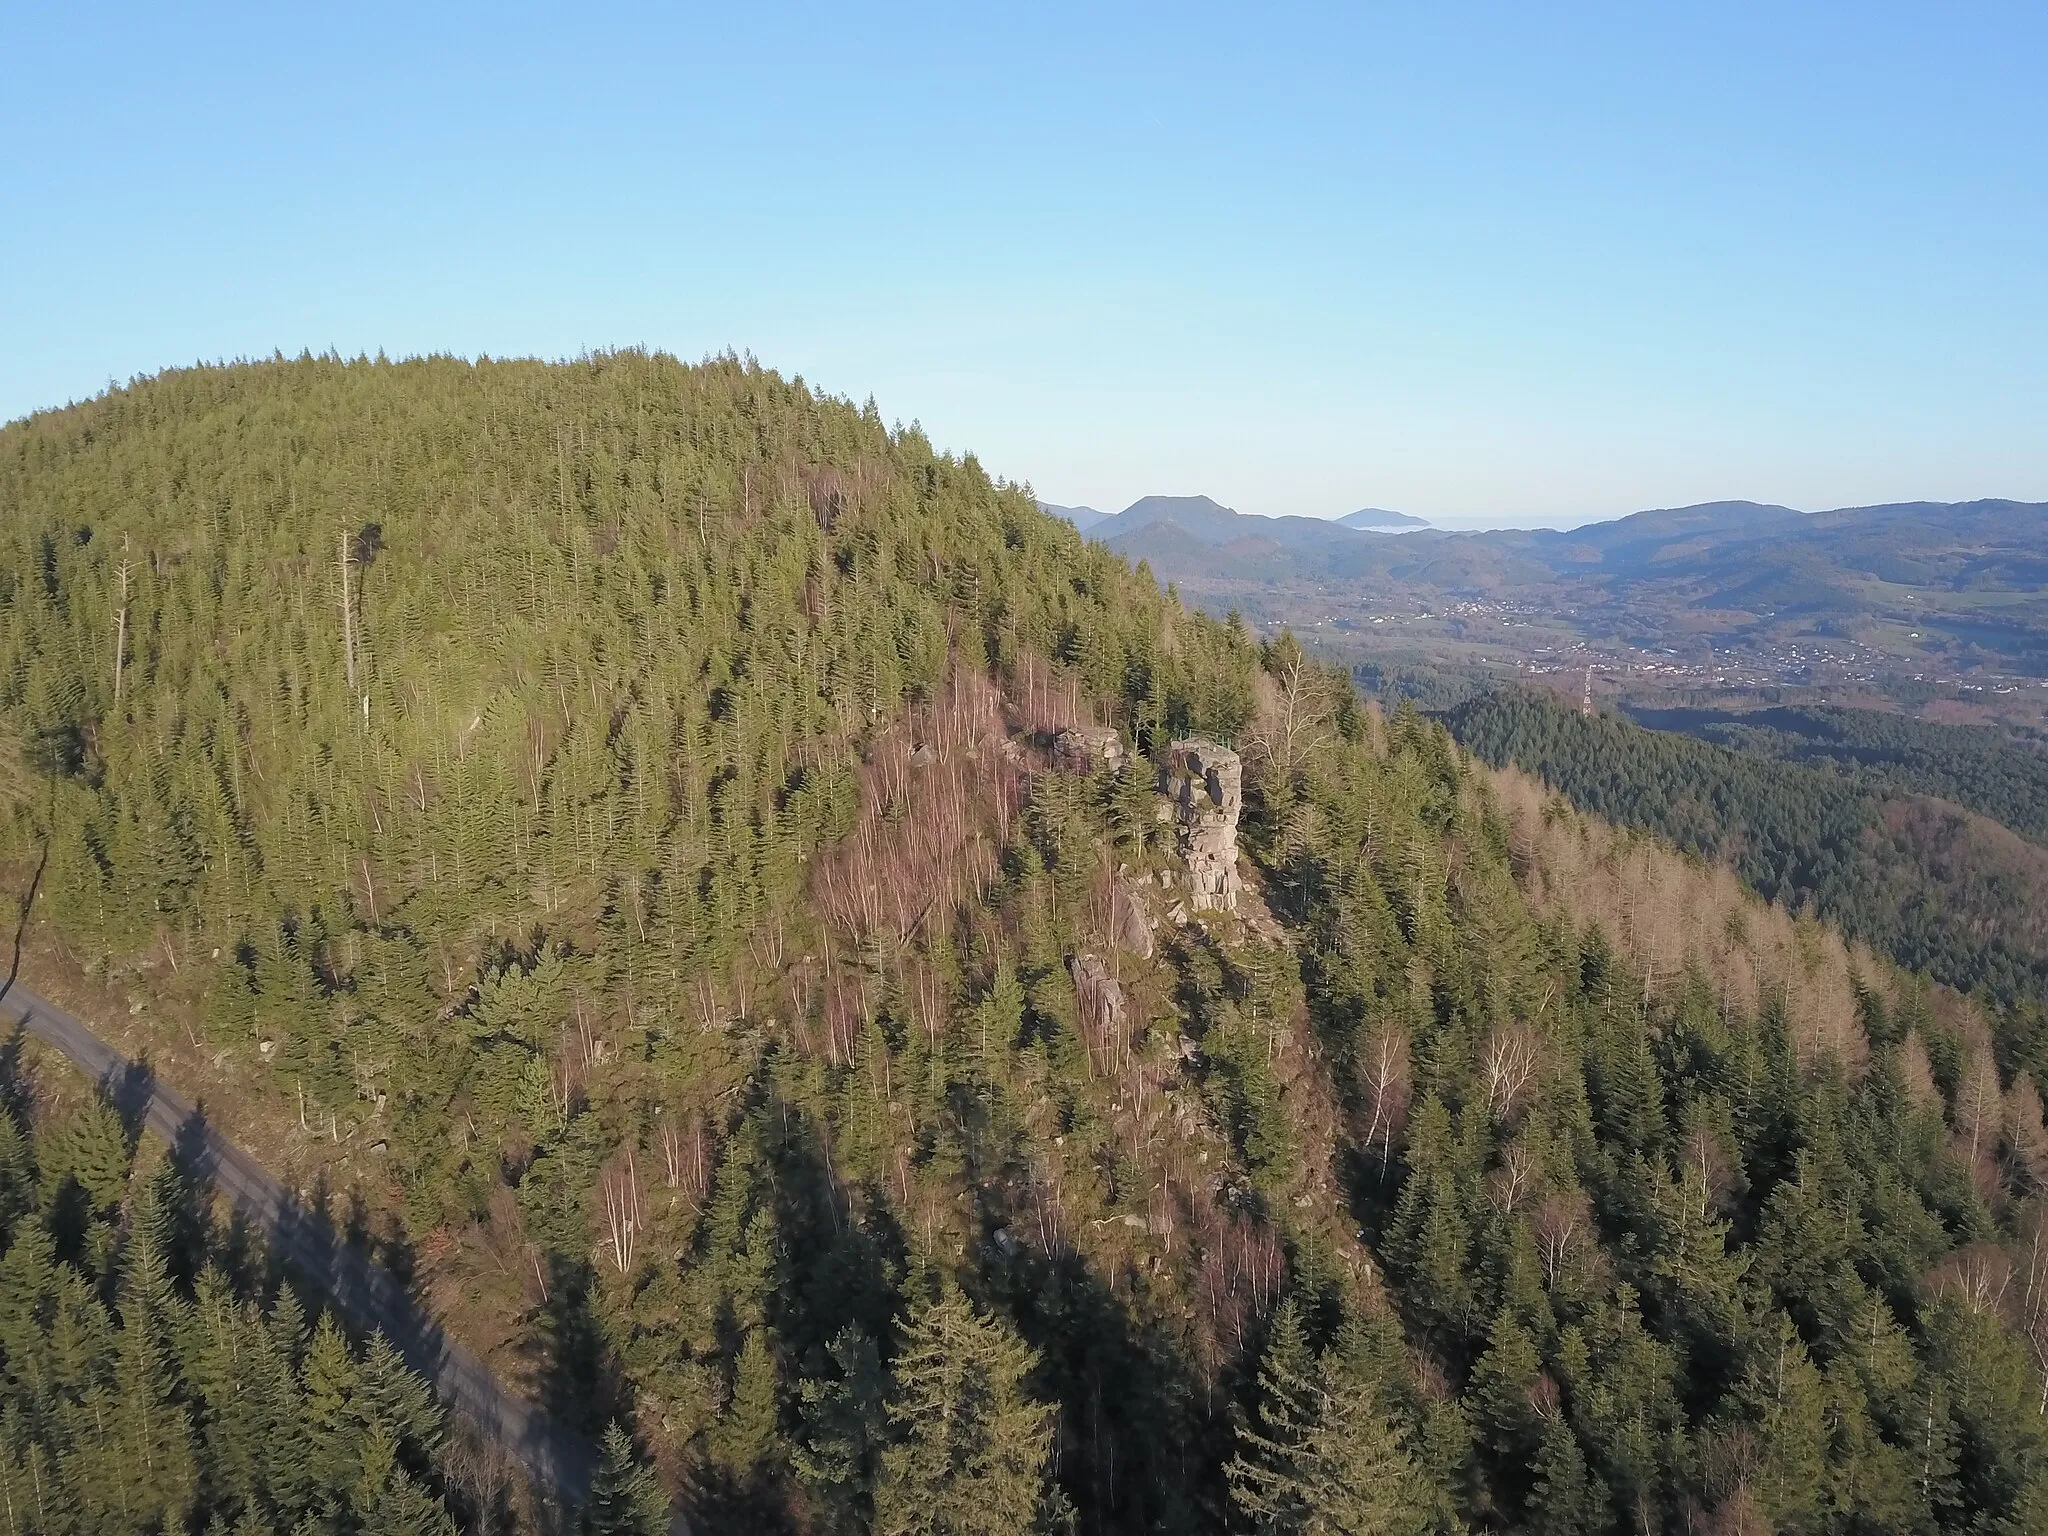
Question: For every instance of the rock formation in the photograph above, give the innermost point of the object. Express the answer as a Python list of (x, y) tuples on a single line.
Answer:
[(1085, 748), (1129, 926), (1101, 995), (1205, 783)]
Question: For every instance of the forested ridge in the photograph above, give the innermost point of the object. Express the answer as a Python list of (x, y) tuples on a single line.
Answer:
[(1860, 839), (614, 811), (1975, 766)]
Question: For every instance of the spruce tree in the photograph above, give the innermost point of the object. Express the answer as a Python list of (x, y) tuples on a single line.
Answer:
[(1323, 1458), (153, 1461), (1272, 1477), (624, 1498), (970, 1442), (1567, 1499), (844, 1420)]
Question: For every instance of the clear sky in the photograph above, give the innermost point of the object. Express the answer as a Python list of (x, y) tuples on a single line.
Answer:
[(1484, 263)]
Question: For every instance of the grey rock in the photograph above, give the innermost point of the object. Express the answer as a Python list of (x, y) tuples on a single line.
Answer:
[(1204, 782), (1099, 992), (1129, 926), (1085, 748)]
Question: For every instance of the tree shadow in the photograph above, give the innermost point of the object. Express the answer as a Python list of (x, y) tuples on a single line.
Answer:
[(28, 902), (15, 1090), (581, 1380), (128, 1088), (1142, 1440)]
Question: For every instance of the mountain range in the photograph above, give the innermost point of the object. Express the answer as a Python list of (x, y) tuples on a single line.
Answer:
[(1210, 522), (1942, 586)]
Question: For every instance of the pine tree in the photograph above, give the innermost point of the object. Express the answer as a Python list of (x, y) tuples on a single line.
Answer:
[(971, 1444)]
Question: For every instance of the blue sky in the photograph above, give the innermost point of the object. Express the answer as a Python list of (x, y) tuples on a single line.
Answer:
[(1484, 263)]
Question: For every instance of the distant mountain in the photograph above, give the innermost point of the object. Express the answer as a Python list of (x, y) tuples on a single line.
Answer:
[(1196, 533), (1940, 589), (1082, 518), (1379, 520)]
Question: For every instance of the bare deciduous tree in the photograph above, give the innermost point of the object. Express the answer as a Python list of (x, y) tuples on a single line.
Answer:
[(1388, 1083), (1515, 1179), (1507, 1066), (619, 1188), (1563, 1225)]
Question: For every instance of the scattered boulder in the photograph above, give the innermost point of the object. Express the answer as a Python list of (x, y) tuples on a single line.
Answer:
[(1085, 748), (1204, 781)]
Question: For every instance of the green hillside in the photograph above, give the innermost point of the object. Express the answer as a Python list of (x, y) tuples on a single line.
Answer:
[(1836, 817), (1974, 766), (610, 817)]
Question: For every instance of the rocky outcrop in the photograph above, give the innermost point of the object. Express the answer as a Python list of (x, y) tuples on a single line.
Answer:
[(1205, 783), (1130, 928), (1085, 748), (1100, 994)]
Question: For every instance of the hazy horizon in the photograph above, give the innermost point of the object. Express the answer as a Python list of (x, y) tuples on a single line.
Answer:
[(1520, 267)]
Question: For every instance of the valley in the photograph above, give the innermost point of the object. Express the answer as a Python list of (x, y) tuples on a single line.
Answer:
[(1908, 602)]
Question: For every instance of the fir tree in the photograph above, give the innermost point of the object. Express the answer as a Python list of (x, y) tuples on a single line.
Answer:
[(1323, 1458)]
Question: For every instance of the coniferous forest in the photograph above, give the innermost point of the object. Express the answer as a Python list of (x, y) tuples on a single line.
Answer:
[(1859, 836), (635, 827)]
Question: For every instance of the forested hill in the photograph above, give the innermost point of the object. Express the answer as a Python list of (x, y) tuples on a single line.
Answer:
[(1861, 837), (625, 822), (1977, 767)]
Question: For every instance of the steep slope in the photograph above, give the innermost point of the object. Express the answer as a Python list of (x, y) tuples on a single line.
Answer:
[(827, 967), (1935, 886)]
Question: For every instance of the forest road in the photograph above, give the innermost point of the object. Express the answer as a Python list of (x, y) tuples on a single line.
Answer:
[(369, 1296)]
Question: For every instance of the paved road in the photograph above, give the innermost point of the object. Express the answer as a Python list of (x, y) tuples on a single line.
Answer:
[(365, 1293)]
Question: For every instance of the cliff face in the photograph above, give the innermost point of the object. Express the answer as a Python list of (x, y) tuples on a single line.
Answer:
[(1205, 782)]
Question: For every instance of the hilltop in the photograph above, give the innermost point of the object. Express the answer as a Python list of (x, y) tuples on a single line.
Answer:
[(816, 962)]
